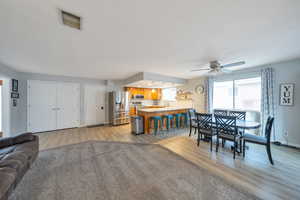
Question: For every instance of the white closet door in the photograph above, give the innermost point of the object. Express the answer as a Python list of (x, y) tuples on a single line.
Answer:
[(68, 105), (41, 106), (94, 99)]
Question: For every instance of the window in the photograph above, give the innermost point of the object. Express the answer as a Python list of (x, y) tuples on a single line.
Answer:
[(247, 94), (242, 94), (1, 83), (223, 94), (169, 94), (0, 107)]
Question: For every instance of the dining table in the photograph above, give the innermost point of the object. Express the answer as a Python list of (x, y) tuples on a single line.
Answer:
[(244, 124), (240, 124)]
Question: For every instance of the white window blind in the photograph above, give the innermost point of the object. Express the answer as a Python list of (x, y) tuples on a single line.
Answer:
[(242, 94), (169, 94)]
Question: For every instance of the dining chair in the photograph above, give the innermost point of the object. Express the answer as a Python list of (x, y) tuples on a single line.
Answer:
[(262, 140), (220, 112), (205, 127), (227, 129), (192, 121), (240, 115)]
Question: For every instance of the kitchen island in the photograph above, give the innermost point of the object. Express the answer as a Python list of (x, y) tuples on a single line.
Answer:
[(147, 113)]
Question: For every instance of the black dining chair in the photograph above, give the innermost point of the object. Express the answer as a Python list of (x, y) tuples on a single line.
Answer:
[(193, 121), (205, 127), (262, 140), (227, 129), (241, 115), (220, 112)]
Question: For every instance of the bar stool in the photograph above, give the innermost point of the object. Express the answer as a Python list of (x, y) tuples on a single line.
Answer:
[(178, 119), (156, 120), (185, 118), (168, 119)]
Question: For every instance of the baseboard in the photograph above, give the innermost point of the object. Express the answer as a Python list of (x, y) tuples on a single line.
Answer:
[(290, 145), (86, 125), (96, 125)]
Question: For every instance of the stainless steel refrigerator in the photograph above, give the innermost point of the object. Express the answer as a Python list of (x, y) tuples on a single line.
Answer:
[(119, 108)]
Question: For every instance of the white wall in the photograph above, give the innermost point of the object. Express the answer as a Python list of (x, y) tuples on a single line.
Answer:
[(13, 118), (287, 118), (198, 100), (5, 106), (81, 81), (19, 113), (116, 85)]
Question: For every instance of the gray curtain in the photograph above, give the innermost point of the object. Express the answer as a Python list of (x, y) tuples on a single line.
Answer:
[(267, 98), (208, 94)]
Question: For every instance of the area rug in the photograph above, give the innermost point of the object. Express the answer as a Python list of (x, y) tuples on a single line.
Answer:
[(116, 171)]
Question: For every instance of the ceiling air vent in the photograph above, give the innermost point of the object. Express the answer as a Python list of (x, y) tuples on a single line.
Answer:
[(70, 20)]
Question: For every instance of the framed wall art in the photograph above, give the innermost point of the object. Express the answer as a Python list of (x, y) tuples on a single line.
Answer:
[(286, 94), (15, 84), (14, 95)]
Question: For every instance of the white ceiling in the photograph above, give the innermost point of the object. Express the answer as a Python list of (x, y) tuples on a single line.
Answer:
[(122, 37)]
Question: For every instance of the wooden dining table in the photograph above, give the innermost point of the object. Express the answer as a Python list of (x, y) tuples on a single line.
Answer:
[(240, 124), (243, 124)]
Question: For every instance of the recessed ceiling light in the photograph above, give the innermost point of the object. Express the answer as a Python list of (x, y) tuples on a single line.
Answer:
[(71, 20)]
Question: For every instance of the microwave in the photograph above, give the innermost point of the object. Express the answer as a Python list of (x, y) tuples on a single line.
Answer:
[(139, 96)]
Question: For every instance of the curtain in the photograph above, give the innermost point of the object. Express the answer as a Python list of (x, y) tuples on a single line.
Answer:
[(267, 98), (208, 94)]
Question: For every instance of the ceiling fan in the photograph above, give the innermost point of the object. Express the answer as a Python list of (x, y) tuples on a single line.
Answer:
[(215, 67)]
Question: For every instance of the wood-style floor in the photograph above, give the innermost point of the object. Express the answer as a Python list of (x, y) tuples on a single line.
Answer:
[(253, 173)]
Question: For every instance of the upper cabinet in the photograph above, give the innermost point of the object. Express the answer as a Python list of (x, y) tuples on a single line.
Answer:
[(155, 94), (147, 93)]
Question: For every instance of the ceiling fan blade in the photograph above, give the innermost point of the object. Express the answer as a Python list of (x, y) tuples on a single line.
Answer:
[(234, 64), (226, 71), (196, 70)]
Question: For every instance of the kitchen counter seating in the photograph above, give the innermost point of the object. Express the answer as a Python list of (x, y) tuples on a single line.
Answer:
[(149, 113), (168, 121), (16, 156), (158, 121)]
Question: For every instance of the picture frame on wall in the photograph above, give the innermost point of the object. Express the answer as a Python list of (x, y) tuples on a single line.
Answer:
[(15, 85), (14, 102), (14, 95), (286, 94)]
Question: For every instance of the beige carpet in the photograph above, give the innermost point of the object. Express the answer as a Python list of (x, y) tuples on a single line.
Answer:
[(113, 170)]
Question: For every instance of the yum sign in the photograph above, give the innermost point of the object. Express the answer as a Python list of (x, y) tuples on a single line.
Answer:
[(287, 94)]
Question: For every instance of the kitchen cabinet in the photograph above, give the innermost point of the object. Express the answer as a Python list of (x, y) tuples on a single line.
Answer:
[(148, 93)]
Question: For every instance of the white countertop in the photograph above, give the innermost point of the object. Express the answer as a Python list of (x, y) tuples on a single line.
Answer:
[(162, 109)]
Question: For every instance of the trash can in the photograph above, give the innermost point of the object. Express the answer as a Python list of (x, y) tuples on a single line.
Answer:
[(137, 125)]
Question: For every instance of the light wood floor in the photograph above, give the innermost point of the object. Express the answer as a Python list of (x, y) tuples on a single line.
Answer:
[(254, 173)]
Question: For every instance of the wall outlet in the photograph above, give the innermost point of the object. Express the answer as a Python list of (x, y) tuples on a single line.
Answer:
[(286, 137)]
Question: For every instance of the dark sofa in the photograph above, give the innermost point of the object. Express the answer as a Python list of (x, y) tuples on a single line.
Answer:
[(16, 156)]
